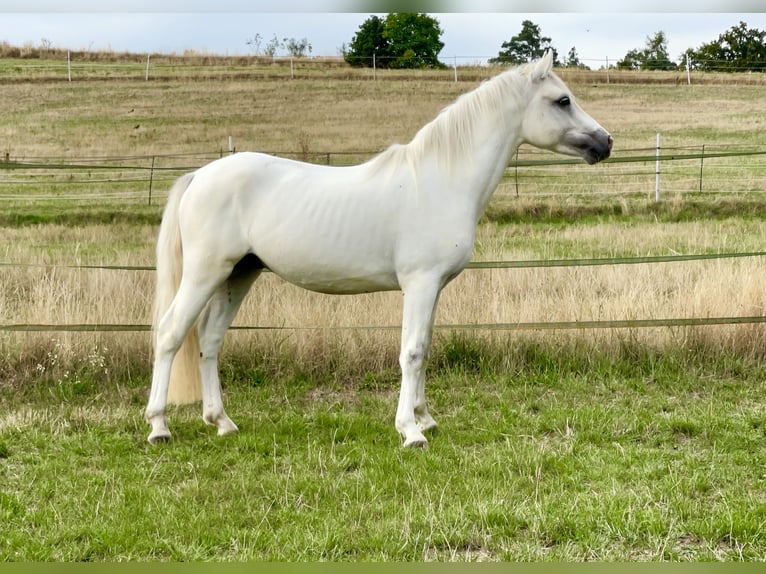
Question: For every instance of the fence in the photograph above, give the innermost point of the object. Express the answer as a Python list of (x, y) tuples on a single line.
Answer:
[(652, 172), (520, 326), (126, 181), (63, 65)]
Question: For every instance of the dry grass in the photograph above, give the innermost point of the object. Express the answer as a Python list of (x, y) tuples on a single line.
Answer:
[(181, 116), (54, 295)]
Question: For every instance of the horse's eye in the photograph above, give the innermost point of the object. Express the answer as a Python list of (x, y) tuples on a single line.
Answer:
[(563, 101)]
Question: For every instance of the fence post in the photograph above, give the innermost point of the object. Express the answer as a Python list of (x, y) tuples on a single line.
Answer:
[(455, 67), (688, 70), (69, 64), (657, 171), (147, 67), (702, 161), (151, 180)]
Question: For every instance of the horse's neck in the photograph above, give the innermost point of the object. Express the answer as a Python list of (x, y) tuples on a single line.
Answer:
[(490, 158), (473, 145)]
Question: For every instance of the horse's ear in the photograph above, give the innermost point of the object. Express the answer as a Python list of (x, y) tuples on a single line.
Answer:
[(543, 66)]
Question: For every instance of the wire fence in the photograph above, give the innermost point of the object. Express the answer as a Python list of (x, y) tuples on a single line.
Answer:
[(128, 180), (71, 66), (651, 171), (481, 265)]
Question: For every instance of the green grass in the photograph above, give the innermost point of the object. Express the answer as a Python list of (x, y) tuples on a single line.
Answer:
[(502, 210), (585, 211), (541, 455)]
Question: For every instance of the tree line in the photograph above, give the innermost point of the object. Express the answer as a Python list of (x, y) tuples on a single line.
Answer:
[(408, 40)]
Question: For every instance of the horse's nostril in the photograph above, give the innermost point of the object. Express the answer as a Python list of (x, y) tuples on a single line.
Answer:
[(609, 141)]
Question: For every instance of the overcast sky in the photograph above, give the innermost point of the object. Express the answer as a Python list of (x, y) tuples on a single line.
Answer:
[(469, 34)]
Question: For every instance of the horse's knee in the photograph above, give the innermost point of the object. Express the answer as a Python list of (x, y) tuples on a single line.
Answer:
[(413, 356)]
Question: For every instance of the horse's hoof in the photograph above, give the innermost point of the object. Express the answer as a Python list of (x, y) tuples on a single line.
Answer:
[(224, 424), (224, 431), (157, 438), (427, 424), (421, 443)]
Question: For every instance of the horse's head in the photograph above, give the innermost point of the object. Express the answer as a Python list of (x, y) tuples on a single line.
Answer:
[(554, 121)]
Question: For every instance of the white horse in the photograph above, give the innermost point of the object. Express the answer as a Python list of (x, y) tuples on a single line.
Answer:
[(403, 220)]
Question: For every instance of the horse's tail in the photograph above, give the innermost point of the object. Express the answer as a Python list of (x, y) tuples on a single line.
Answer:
[(185, 379)]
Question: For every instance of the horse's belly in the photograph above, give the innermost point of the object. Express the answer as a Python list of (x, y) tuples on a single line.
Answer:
[(332, 271), (322, 262), (330, 247), (338, 284)]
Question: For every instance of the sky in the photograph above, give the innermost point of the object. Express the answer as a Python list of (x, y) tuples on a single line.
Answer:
[(472, 31)]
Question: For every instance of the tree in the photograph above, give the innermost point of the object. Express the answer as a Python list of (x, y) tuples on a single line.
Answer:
[(573, 60), (255, 43), (526, 46), (366, 43), (297, 48), (272, 47), (654, 56), (631, 61), (402, 40), (414, 40), (739, 48)]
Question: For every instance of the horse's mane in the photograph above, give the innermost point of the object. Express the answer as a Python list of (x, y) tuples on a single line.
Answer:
[(451, 133)]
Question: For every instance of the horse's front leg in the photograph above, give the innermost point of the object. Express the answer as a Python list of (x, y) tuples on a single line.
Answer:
[(412, 416)]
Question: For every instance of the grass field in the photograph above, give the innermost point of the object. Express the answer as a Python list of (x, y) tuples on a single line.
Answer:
[(626, 444), (557, 458)]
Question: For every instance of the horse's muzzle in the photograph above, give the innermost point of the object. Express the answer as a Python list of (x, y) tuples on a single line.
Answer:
[(598, 147)]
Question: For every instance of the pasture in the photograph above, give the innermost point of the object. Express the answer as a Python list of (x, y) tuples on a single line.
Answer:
[(594, 444)]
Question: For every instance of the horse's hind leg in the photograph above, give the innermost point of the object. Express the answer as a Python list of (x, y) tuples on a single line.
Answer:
[(214, 322), (195, 290)]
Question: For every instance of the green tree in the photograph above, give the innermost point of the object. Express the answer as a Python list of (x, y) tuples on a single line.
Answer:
[(739, 48), (272, 46), (401, 40), (297, 48), (573, 60), (414, 40), (368, 41), (654, 56), (525, 46), (631, 61)]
